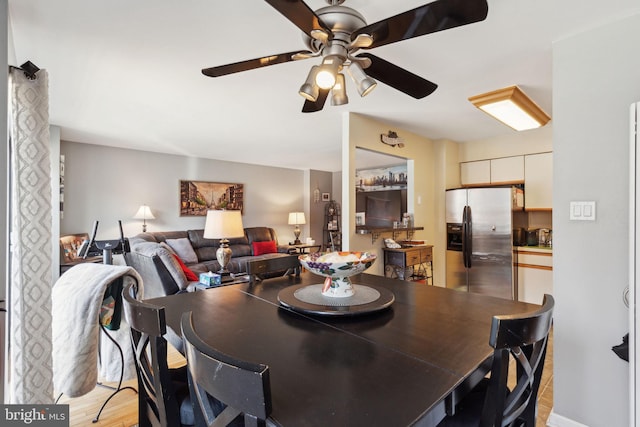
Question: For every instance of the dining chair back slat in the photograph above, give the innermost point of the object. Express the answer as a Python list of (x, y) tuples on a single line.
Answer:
[(241, 387), (525, 338), (157, 400), (492, 403)]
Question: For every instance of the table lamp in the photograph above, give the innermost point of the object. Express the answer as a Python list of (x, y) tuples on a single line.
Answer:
[(144, 213), (296, 218), (221, 224)]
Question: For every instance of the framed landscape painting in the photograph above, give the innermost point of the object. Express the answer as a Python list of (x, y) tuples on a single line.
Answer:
[(197, 197), (383, 178)]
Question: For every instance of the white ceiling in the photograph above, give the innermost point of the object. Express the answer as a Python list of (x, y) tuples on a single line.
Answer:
[(127, 73)]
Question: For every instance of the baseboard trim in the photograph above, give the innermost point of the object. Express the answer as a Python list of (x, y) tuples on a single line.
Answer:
[(556, 420)]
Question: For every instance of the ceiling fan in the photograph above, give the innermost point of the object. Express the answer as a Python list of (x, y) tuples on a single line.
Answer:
[(336, 33)]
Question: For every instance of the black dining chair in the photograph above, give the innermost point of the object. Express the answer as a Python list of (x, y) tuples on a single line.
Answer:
[(224, 390), (491, 403), (163, 393)]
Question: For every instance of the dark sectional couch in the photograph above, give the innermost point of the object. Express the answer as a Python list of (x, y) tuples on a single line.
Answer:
[(162, 274)]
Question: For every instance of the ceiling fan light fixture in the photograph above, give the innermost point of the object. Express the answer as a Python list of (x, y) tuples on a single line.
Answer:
[(326, 76), (512, 107), (364, 83), (325, 79), (339, 92), (336, 33), (309, 90)]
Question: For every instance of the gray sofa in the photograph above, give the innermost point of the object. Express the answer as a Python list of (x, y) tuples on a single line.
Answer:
[(162, 274)]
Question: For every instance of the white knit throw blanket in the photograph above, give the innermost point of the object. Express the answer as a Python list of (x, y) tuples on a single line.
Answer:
[(77, 297)]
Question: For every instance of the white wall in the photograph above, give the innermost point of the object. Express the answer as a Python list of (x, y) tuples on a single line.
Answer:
[(4, 152), (7, 58), (108, 184), (595, 79)]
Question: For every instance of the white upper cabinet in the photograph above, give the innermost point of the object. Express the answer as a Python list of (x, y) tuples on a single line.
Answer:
[(475, 173), (507, 170), (535, 170), (538, 178)]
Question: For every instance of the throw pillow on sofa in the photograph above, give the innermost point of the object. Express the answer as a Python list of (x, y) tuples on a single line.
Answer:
[(191, 276), (184, 250), (268, 247)]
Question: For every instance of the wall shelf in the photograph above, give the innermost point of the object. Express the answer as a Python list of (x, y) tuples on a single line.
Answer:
[(377, 231)]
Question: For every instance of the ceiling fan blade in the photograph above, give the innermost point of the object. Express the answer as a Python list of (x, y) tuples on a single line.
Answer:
[(430, 18), (250, 64), (398, 78), (312, 107), (301, 15)]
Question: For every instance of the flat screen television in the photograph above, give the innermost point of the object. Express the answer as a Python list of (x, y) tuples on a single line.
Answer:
[(382, 208)]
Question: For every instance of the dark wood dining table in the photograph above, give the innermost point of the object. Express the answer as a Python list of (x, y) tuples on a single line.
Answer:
[(404, 365)]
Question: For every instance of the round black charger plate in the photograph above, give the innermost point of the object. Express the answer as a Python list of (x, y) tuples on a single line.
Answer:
[(337, 306)]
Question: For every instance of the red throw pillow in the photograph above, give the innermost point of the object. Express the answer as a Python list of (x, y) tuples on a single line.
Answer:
[(268, 247), (191, 276)]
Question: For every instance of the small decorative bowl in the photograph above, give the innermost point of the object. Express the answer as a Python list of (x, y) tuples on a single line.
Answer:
[(336, 267)]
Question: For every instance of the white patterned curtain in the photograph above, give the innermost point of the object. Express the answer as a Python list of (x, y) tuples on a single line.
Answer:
[(30, 215)]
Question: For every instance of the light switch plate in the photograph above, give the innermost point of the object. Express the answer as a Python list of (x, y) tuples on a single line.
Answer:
[(582, 211)]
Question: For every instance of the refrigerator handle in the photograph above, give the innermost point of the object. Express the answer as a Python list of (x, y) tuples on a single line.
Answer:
[(466, 236)]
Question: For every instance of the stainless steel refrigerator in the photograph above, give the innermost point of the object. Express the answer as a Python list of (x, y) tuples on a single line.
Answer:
[(479, 239)]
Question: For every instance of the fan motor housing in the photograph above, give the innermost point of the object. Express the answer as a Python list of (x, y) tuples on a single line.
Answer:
[(342, 21)]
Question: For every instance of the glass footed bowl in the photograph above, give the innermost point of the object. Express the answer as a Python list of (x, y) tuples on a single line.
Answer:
[(336, 267)]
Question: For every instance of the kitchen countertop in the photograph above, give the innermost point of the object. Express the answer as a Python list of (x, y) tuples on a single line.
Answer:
[(541, 249)]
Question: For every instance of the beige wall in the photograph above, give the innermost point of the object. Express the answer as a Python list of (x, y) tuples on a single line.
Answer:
[(435, 166), (422, 200), (512, 143), (446, 175)]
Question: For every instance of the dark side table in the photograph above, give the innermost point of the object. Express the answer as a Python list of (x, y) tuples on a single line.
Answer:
[(65, 266), (304, 249)]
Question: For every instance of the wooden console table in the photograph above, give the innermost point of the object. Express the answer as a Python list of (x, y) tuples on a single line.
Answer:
[(396, 262)]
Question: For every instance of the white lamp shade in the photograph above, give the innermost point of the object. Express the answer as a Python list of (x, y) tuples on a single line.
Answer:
[(222, 224), (296, 218), (144, 213)]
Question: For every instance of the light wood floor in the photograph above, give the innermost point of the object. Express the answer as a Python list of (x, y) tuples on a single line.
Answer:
[(122, 409), (545, 394)]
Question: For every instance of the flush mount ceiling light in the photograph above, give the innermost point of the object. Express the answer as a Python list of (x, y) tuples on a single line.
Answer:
[(512, 107), (336, 34)]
